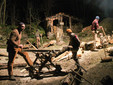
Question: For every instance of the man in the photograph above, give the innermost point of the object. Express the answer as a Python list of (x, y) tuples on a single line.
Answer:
[(74, 44), (37, 38), (95, 24), (14, 47)]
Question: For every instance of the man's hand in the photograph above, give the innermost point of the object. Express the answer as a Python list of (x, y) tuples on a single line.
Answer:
[(70, 46), (20, 46)]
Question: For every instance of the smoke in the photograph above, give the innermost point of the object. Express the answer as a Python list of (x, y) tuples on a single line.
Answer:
[(105, 5)]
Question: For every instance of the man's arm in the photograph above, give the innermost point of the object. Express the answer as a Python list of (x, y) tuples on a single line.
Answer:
[(13, 38), (97, 24)]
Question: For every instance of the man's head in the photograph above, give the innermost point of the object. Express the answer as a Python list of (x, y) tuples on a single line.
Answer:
[(21, 26), (97, 17), (68, 31)]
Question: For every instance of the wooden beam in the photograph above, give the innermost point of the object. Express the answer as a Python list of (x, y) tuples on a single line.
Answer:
[(3, 54), (32, 45), (39, 50), (4, 66)]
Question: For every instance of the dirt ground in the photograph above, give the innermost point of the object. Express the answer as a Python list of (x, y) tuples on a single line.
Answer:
[(90, 60)]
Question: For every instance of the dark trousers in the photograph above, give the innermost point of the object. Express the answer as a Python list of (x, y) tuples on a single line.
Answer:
[(76, 59), (12, 55)]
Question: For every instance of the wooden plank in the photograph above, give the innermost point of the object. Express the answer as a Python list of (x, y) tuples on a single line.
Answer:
[(32, 45), (2, 54), (61, 56), (38, 50), (4, 66)]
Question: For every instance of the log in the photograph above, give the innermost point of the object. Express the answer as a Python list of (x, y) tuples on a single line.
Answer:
[(82, 45), (62, 56), (68, 55), (4, 66), (109, 50), (90, 45), (111, 41), (52, 42), (98, 43), (2, 54)]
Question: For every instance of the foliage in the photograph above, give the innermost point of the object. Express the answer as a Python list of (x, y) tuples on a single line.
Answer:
[(107, 24), (4, 34), (31, 32), (41, 30), (77, 27), (85, 34), (5, 30)]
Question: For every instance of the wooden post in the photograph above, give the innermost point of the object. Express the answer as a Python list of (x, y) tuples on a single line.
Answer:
[(61, 20), (4, 12)]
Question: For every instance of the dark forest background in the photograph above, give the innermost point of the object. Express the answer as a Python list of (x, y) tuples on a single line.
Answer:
[(14, 11)]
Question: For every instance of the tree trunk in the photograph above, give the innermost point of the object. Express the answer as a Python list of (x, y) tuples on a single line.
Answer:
[(30, 18), (1, 5), (4, 12), (29, 13), (13, 13)]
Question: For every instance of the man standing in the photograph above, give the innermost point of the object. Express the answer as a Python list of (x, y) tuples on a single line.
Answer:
[(95, 24), (94, 27), (74, 44), (14, 47)]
